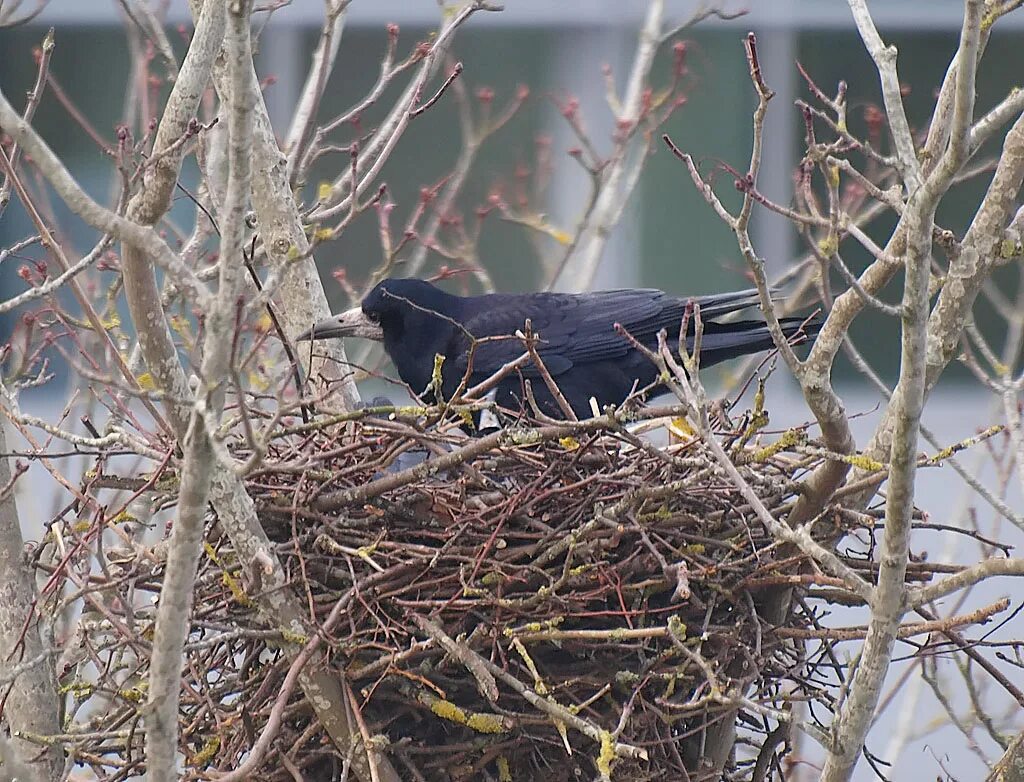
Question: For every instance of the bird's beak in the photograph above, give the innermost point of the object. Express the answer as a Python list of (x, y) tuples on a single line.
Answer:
[(351, 323)]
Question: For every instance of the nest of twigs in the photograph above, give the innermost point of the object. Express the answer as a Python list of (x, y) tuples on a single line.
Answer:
[(515, 609), (538, 604)]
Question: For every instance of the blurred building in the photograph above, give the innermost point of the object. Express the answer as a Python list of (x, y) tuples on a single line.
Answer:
[(668, 236)]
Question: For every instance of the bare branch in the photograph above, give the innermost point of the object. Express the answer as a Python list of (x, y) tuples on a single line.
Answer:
[(321, 66), (579, 270), (888, 601), (34, 97), (31, 702), (378, 150), (885, 61), (965, 579)]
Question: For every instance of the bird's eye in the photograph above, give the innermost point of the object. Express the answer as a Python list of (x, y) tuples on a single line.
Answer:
[(373, 317)]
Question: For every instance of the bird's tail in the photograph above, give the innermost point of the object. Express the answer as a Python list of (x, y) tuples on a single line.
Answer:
[(717, 304), (723, 341)]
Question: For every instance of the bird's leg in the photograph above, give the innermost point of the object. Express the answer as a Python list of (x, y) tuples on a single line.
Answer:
[(488, 419)]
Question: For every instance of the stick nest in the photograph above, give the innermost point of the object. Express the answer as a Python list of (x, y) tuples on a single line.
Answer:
[(568, 603)]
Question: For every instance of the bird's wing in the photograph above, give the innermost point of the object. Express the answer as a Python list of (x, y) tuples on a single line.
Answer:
[(643, 313), (577, 328), (494, 320)]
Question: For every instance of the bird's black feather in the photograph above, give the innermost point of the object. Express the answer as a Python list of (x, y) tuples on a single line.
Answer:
[(578, 342)]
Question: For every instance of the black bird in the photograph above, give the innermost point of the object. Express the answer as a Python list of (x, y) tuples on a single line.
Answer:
[(577, 339)]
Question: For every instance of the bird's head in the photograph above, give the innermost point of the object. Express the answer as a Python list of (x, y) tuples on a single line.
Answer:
[(413, 319), (396, 309)]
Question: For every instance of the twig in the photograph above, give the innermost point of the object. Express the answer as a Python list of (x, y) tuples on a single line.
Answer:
[(34, 97)]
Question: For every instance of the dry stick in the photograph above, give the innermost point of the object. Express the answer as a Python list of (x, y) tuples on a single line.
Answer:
[(530, 341), (488, 383), (904, 631), (557, 711), (67, 272), (357, 494), (484, 680), (825, 633), (261, 747), (34, 97), (456, 70)]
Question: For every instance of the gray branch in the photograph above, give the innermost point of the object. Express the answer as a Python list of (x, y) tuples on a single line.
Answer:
[(888, 603), (300, 299), (31, 706), (175, 606)]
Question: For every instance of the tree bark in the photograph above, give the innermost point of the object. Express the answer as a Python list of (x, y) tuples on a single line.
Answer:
[(31, 706)]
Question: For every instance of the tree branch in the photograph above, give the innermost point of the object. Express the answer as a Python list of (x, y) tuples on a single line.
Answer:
[(173, 618), (967, 577), (885, 62), (579, 271), (854, 717), (300, 300), (31, 705)]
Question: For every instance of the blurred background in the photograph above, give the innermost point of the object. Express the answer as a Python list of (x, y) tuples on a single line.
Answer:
[(668, 237)]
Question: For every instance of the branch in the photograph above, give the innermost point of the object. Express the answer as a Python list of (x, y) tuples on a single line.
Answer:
[(174, 609), (888, 603), (34, 97), (814, 374), (579, 271), (979, 255), (300, 300), (885, 62), (346, 189), (234, 507), (150, 204), (89, 210), (967, 577), (31, 702), (1008, 768), (57, 253), (304, 119), (48, 287), (690, 391), (1014, 424)]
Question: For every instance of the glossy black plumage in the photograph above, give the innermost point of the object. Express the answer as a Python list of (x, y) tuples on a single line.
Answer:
[(578, 341)]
